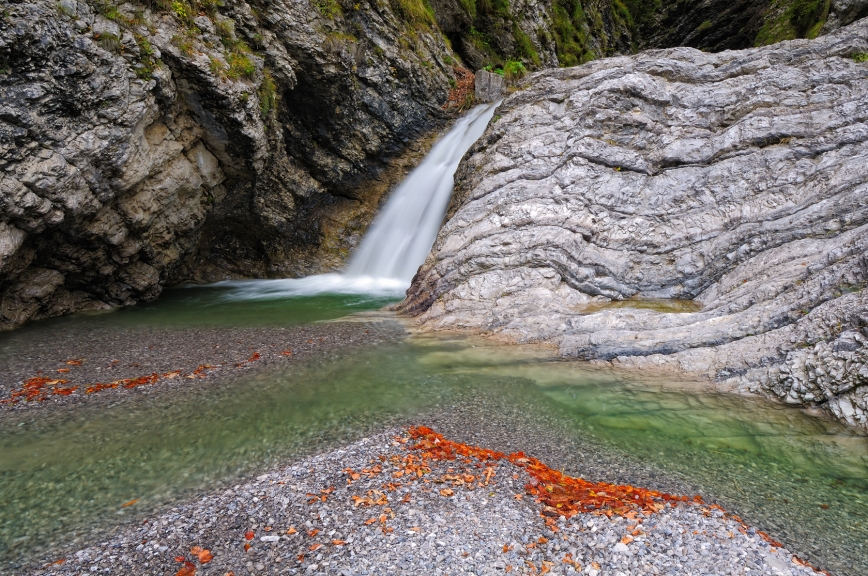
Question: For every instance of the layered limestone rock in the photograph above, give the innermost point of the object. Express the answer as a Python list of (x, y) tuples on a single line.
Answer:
[(606, 195), (140, 146)]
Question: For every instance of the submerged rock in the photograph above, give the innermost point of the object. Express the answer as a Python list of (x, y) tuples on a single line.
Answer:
[(737, 180)]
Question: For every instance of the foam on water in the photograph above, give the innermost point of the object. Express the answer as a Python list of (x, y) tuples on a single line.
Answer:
[(311, 286), (399, 238)]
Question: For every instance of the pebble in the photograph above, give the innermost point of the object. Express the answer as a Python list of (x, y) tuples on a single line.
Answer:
[(314, 517)]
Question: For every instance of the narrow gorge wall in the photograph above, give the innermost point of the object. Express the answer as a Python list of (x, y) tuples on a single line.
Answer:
[(141, 145), (735, 180)]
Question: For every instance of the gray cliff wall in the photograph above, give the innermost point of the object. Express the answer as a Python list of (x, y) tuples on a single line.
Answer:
[(737, 180), (138, 147)]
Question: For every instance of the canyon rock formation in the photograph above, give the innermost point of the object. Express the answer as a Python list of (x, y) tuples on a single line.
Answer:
[(675, 209)]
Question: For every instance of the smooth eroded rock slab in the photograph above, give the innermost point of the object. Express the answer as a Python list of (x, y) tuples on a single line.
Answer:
[(737, 180)]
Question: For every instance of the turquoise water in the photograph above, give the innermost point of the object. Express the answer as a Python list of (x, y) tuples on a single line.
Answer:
[(216, 306), (63, 474)]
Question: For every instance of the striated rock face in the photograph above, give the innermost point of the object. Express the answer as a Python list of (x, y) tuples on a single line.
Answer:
[(737, 180), (139, 147)]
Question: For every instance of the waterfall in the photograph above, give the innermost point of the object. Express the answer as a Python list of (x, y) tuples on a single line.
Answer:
[(401, 235)]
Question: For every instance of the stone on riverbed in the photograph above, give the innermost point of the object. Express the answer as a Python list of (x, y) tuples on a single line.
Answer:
[(319, 516), (737, 180)]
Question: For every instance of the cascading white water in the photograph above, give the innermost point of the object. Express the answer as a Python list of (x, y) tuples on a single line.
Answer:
[(402, 234)]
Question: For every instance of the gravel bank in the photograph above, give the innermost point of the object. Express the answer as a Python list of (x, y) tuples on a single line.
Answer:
[(84, 358), (354, 511)]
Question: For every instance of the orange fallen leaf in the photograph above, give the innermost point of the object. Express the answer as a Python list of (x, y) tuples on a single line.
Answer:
[(312, 532), (77, 362), (63, 370), (300, 557), (287, 353), (202, 554), (508, 568), (247, 546), (626, 539), (130, 503), (338, 542), (506, 548), (370, 521), (316, 546), (292, 530), (188, 569), (249, 535), (180, 559), (542, 540), (447, 492)]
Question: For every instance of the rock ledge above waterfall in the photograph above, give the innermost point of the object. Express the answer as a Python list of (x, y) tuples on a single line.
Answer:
[(737, 180)]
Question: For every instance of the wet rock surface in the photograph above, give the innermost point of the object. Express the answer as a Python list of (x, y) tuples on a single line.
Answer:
[(735, 179), (354, 511)]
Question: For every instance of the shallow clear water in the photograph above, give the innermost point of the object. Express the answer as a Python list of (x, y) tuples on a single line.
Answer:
[(230, 304), (65, 473)]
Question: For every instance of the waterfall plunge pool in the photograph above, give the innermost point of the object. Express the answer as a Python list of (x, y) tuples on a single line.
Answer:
[(65, 475)]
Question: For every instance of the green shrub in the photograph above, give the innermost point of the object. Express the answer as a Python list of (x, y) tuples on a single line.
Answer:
[(514, 70), (328, 8), (226, 31), (240, 65), (145, 47), (416, 12), (184, 44), (217, 67), (469, 7), (182, 10), (569, 25), (267, 94), (793, 19), (860, 57), (524, 46)]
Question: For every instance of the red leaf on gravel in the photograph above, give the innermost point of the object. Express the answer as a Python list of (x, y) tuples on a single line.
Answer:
[(249, 535), (180, 559), (338, 542), (314, 547), (313, 532), (292, 530), (188, 569), (78, 362)]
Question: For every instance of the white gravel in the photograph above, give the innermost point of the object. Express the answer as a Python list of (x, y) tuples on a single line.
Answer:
[(411, 528)]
